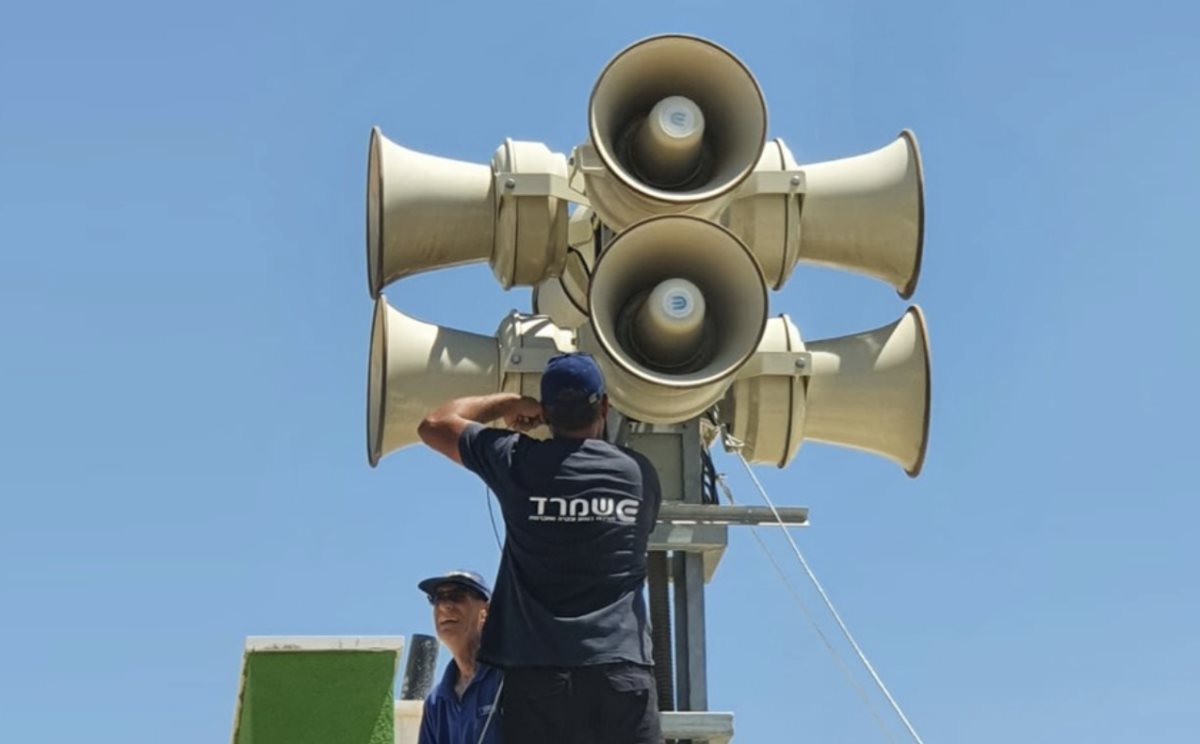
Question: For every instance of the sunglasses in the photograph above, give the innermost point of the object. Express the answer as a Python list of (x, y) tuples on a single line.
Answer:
[(453, 596)]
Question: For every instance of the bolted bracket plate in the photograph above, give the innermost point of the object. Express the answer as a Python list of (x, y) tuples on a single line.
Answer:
[(777, 363), (772, 182), (526, 358), (585, 159), (537, 184)]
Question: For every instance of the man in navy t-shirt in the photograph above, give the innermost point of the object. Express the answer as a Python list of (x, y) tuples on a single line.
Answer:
[(568, 621)]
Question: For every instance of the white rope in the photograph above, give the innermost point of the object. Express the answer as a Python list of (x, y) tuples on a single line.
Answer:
[(787, 582), (737, 446), (492, 712)]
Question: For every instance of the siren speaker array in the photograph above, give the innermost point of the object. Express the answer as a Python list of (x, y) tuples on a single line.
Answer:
[(685, 217)]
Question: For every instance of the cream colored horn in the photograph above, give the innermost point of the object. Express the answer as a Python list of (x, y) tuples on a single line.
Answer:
[(414, 367), (675, 124), (868, 391), (867, 214), (863, 214), (677, 305), (425, 212)]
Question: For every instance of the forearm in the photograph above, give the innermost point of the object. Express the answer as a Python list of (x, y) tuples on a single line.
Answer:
[(480, 408), (443, 428)]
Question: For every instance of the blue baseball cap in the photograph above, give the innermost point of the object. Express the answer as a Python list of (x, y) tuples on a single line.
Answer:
[(469, 579), (577, 372)]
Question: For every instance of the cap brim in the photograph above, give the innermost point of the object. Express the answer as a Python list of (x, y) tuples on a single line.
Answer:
[(430, 585)]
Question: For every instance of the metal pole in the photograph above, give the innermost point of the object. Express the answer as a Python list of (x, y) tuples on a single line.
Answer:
[(676, 513), (689, 530), (691, 664), (660, 624)]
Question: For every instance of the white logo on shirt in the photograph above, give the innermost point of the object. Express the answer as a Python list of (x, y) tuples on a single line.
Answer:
[(584, 509)]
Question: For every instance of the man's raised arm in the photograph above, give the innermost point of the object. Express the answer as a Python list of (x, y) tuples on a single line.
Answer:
[(442, 428)]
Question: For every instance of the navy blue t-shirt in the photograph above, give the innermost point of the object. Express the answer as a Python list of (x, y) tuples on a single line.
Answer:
[(578, 515)]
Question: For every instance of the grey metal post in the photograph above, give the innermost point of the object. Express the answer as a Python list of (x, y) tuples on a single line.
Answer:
[(676, 452), (691, 664), (689, 542)]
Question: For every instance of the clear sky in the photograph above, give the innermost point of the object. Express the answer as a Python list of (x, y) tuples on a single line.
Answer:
[(184, 324)]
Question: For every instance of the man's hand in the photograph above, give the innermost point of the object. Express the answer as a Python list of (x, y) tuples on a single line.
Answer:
[(523, 414)]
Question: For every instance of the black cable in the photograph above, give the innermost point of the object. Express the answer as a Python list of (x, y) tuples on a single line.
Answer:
[(487, 496), (582, 261), (570, 298), (708, 479)]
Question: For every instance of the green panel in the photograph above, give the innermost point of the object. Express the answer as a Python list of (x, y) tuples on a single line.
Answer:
[(318, 697)]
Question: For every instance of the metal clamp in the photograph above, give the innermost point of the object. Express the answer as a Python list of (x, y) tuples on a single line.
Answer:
[(773, 182), (536, 184), (526, 358), (585, 159), (777, 363)]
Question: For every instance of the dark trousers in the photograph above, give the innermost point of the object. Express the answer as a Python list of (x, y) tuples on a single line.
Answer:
[(601, 704)]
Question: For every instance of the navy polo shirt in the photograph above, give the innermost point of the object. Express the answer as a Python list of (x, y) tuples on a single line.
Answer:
[(448, 720)]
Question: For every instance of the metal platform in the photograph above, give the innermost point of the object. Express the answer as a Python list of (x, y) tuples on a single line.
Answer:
[(698, 726)]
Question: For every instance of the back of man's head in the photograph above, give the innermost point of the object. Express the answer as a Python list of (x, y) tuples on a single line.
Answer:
[(572, 392)]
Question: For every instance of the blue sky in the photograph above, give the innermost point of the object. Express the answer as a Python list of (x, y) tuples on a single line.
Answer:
[(184, 324)]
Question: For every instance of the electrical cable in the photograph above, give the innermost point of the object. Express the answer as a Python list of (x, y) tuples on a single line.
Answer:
[(583, 262), (708, 478), (487, 496), (736, 446), (586, 272), (841, 663)]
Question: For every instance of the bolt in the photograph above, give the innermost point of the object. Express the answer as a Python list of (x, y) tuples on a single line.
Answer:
[(515, 358), (510, 183), (795, 180), (800, 364)]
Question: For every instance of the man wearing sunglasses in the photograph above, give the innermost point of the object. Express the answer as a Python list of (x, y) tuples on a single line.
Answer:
[(568, 623), (460, 709)]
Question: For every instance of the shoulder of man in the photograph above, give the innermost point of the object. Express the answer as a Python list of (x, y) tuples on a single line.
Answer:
[(478, 442)]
